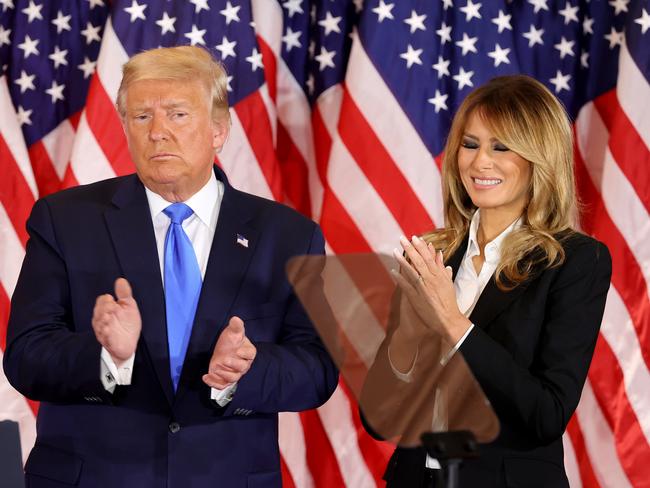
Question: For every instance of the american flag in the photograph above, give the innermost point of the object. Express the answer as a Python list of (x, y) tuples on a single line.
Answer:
[(340, 108)]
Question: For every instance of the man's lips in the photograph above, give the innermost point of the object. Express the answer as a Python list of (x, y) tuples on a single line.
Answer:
[(162, 155)]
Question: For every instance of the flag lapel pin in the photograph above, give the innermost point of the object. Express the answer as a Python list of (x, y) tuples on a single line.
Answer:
[(242, 241)]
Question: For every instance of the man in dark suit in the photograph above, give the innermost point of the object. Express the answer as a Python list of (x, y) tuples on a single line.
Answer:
[(177, 378)]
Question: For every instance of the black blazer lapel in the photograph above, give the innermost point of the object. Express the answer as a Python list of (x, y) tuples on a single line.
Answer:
[(131, 230), (227, 266)]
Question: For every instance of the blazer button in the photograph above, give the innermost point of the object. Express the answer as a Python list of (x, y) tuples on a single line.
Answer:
[(174, 427)]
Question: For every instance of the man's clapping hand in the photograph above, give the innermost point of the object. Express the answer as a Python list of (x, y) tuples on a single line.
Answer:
[(232, 357), (117, 322)]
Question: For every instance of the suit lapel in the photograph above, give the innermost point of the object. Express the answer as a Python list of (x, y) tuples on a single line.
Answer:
[(135, 246), (232, 248)]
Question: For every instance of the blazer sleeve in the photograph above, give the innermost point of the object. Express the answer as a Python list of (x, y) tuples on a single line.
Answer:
[(46, 359), (539, 400), (296, 372)]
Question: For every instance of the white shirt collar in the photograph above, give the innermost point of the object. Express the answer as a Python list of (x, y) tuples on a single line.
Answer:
[(492, 248), (202, 202)]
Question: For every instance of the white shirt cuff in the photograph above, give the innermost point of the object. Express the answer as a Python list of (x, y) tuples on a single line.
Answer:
[(111, 375), (445, 359), (223, 397), (408, 376)]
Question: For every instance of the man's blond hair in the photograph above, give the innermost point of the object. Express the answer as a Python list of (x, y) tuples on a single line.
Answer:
[(180, 63)]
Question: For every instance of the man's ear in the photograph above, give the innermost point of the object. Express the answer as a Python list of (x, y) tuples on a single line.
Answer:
[(220, 132)]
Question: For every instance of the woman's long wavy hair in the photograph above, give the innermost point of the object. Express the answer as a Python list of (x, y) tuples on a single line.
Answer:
[(525, 116)]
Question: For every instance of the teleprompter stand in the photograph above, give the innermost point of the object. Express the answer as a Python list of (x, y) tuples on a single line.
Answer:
[(450, 448)]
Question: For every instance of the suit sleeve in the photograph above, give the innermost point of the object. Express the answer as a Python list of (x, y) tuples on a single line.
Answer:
[(294, 374), (540, 399), (46, 359)]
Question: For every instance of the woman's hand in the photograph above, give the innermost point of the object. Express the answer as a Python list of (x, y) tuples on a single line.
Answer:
[(428, 287)]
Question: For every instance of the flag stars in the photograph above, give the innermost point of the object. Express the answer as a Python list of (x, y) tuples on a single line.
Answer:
[(499, 55), (4, 36), (570, 13), (62, 22), (136, 11), (643, 21), (502, 21), (24, 116), (226, 48), (95, 3), (442, 67), (200, 5), (6, 4), (58, 56), (412, 56), (91, 33), (25, 82), (33, 11), (196, 35), (584, 59), (534, 36), (330, 24), (415, 21), (445, 33), (467, 44), (291, 39), (29, 46), (565, 47), (166, 24), (230, 13), (471, 10), (447, 4), (255, 59), (325, 59), (293, 7), (619, 6), (229, 79), (560, 81), (588, 25), (439, 101), (463, 78), (56, 91), (615, 38), (384, 11), (311, 84), (539, 5), (88, 67)]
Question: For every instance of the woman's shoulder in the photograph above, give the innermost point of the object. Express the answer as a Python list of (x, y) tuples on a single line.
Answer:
[(584, 253)]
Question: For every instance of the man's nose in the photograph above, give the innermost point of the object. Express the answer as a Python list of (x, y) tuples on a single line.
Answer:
[(158, 130)]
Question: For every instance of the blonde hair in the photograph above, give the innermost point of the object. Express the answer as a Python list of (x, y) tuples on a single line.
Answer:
[(525, 116), (180, 63)]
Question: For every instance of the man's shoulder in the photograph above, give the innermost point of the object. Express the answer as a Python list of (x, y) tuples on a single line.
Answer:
[(97, 192), (271, 211)]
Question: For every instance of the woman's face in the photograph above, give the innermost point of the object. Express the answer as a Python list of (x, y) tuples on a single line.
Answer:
[(496, 179)]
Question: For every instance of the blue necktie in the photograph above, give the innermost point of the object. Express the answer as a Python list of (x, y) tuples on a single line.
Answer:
[(182, 287)]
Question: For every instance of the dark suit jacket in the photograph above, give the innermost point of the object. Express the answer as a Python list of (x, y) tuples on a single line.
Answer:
[(81, 240), (530, 351)]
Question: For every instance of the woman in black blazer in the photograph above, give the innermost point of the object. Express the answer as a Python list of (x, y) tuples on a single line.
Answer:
[(508, 281)]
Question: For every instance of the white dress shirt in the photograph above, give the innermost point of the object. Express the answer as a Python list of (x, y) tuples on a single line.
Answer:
[(200, 228)]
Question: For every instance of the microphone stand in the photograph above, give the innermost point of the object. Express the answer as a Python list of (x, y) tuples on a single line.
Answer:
[(450, 448)]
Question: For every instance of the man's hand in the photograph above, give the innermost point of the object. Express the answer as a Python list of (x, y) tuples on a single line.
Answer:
[(117, 323), (232, 357)]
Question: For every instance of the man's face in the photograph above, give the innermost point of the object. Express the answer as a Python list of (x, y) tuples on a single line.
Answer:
[(172, 136)]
